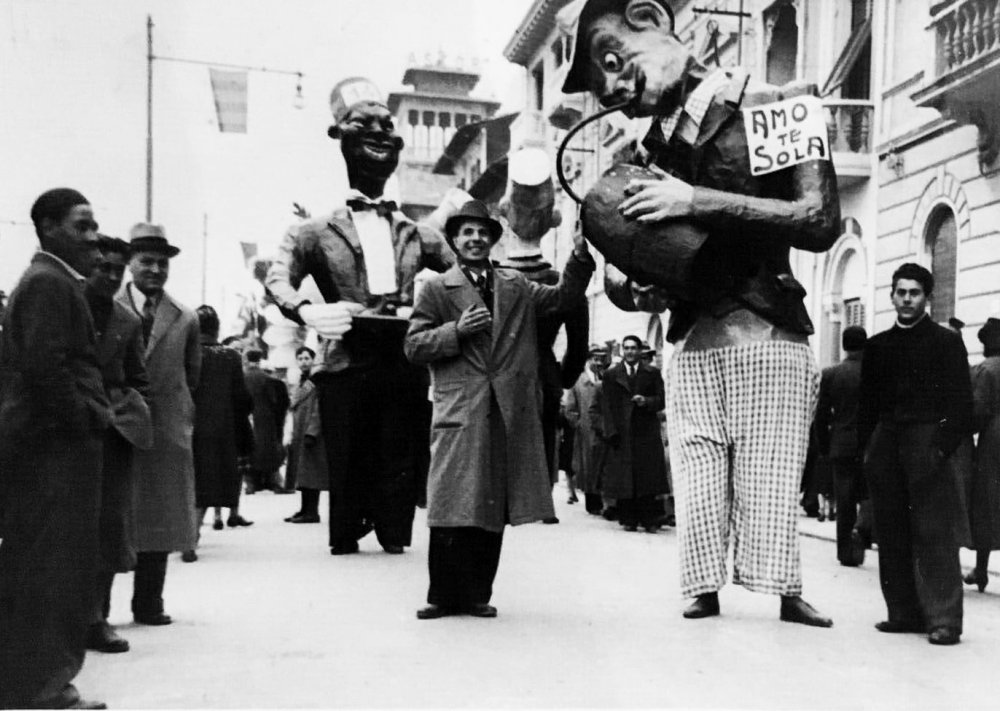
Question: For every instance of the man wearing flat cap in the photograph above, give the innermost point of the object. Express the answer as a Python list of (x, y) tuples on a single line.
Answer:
[(364, 257), (984, 501), (529, 207), (164, 473), (741, 334), (837, 439), (476, 327), (53, 416)]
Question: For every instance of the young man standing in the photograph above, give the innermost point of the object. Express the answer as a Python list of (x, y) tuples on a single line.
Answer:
[(475, 326), (915, 409)]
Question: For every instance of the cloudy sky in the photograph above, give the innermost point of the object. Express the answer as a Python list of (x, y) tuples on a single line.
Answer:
[(73, 92)]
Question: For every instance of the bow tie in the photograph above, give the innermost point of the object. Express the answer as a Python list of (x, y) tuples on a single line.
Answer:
[(382, 208)]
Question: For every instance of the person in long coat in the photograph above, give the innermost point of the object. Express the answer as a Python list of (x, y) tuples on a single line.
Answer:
[(984, 513), (475, 327), (635, 470), (120, 348), (221, 426), (164, 492), (587, 447), (307, 453), (53, 415), (269, 399)]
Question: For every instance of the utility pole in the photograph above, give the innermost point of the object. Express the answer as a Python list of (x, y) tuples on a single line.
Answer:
[(149, 118)]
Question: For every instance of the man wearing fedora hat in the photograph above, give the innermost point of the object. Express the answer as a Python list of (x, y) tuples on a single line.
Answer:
[(746, 315), (476, 327), (164, 483), (364, 257), (984, 501), (529, 207)]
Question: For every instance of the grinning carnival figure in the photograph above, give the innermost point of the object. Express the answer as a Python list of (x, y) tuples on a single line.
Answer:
[(742, 381)]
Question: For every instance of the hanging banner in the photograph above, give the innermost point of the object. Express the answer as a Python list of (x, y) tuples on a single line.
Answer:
[(786, 133), (230, 92)]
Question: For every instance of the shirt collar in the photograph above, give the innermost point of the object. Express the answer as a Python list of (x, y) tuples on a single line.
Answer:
[(68, 269), (697, 103), (911, 325)]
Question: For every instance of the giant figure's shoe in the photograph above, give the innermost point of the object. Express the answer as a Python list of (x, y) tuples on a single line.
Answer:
[(705, 605), (795, 609)]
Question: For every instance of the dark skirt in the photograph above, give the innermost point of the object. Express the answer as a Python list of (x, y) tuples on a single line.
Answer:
[(217, 479)]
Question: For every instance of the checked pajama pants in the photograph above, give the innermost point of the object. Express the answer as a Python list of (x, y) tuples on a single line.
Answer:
[(738, 423)]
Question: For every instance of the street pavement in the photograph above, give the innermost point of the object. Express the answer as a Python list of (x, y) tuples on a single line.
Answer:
[(589, 616)]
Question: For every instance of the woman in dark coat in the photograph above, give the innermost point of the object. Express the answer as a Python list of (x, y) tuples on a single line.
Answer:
[(984, 502), (221, 428)]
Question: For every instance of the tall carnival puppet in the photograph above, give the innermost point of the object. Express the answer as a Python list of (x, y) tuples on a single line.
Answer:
[(711, 223), (529, 207), (363, 258)]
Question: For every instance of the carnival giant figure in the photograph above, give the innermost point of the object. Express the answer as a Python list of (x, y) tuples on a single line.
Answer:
[(363, 257), (742, 380)]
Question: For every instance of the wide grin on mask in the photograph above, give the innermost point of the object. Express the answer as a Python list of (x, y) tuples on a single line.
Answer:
[(378, 149)]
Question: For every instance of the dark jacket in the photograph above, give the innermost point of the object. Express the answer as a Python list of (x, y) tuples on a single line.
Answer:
[(744, 263), (328, 249), (918, 374), (270, 406), (837, 411), (636, 463)]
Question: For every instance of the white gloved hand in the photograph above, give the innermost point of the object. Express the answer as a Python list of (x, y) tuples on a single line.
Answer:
[(330, 320)]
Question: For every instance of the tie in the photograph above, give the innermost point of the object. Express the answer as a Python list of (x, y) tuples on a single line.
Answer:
[(631, 377), (382, 208), (148, 315), (482, 284)]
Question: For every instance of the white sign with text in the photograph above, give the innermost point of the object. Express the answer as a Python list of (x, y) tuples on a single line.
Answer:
[(786, 133)]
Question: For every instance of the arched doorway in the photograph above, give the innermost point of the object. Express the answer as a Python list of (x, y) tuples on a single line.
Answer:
[(782, 31), (941, 248)]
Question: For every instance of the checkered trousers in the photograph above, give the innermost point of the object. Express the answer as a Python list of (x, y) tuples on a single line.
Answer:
[(738, 423)]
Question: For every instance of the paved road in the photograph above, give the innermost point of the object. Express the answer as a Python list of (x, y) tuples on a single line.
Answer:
[(589, 617)]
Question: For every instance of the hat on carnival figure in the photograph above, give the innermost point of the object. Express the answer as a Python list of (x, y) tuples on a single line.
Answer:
[(530, 174), (579, 14), (350, 92), (144, 237), (472, 210)]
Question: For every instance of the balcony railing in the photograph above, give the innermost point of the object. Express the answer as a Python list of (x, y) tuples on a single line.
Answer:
[(966, 31), (849, 123)]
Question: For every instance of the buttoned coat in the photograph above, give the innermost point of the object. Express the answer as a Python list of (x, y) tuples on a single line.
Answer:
[(636, 463), (588, 452), (164, 492), (467, 485), (308, 451)]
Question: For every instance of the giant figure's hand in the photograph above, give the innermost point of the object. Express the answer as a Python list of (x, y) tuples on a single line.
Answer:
[(473, 320), (330, 320), (657, 200)]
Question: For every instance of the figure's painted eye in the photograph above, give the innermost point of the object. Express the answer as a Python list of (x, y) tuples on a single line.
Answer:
[(611, 62)]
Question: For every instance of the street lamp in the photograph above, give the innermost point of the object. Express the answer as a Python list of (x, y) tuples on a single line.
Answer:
[(298, 101)]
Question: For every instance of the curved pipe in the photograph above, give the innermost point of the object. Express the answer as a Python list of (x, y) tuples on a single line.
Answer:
[(569, 136)]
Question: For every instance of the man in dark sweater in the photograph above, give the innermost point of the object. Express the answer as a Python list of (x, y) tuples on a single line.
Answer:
[(915, 408)]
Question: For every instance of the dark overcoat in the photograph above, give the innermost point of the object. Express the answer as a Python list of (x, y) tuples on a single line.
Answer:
[(222, 420), (308, 451), (269, 398), (636, 464), (164, 493), (984, 502), (53, 414), (470, 483), (120, 354)]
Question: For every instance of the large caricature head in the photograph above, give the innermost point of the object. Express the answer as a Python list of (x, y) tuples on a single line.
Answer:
[(626, 50), (366, 131), (529, 204)]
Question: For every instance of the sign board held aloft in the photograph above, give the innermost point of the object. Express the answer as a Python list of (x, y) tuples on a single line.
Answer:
[(786, 133)]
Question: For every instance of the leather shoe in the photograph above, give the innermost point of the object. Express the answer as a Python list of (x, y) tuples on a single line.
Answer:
[(795, 609), (393, 550), (344, 548), (550, 519), (155, 619), (189, 556), (101, 637), (218, 524), (631, 528), (705, 605), (433, 612), (944, 636), (894, 626), (68, 698), (303, 518), (481, 609), (234, 521), (652, 528)]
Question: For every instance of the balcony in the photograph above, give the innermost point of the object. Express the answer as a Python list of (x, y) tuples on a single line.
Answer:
[(849, 123), (528, 130), (965, 82)]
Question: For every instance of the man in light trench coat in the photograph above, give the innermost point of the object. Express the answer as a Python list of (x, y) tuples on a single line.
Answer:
[(475, 326)]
